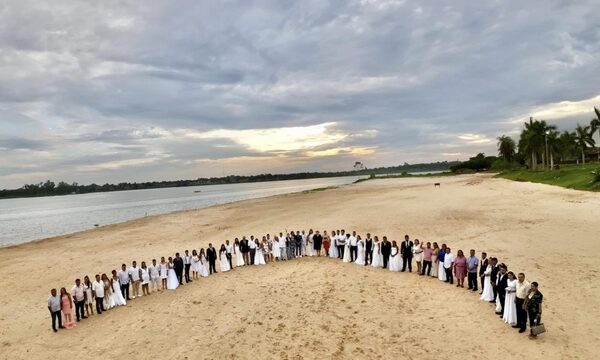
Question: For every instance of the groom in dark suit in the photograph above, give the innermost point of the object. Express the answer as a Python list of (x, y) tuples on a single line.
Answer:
[(244, 249), (211, 256), (368, 250), (386, 250), (406, 249), (178, 265), (501, 285)]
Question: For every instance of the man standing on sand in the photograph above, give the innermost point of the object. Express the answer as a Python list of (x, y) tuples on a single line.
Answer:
[(54, 308), (228, 251), (368, 250), (178, 266), (448, 262), (353, 244), (472, 263), (406, 249), (78, 295), (211, 256), (386, 250), (494, 276), (341, 244), (187, 264), (252, 247), (484, 264), (244, 249), (98, 294), (427, 259), (523, 288), (501, 284), (124, 281), (154, 276), (135, 277)]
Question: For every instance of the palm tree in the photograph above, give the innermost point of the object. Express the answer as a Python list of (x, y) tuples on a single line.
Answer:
[(567, 148), (583, 138), (554, 145), (532, 140), (595, 126), (506, 148)]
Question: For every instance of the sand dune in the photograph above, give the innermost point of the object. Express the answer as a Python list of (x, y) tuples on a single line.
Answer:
[(318, 307)]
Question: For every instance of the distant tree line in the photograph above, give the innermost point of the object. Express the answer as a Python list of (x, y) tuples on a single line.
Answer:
[(49, 188)]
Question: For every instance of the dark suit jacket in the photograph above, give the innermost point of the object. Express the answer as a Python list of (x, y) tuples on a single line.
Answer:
[(386, 248), (244, 247), (502, 283), (369, 244), (494, 275), (211, 254), (406, 251), (178, 264), (483, 266)]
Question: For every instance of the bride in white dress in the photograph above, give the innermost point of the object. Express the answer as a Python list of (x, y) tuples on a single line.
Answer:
[(395, 263), (117, 295), (109, 301), (488, 290), (333, 250), (510, 308), (441, 270), (360, 252), (259, 258), (172, 282), (223, 257), (376, 260), (202, 264), (239, 258), (347, 257)]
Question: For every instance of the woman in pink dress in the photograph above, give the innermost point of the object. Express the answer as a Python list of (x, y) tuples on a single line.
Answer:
[(460, 268), (66, 306)]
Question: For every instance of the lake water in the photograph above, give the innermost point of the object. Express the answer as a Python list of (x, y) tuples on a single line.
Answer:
[(27, 219)]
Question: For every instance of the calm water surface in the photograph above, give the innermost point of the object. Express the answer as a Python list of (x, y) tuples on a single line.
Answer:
[(28, 219)]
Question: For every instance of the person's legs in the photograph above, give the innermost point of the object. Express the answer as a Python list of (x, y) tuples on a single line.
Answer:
[(99, 305), (521, 314), (55, 315), (404, 262), (418, 267), (533, 320), (187, 270), (482, 282), (125, 291), (449, 278), (426, 268), (409, 260), (82, 309)]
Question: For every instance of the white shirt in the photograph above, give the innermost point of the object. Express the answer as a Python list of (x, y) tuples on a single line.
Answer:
[(228, 248), (448, 260), (78, 292), (522, 289), (54, 303), (352, 240), (135, 273), (282, 242), (341, 240), (123, 277), (98, 287), (251, 245), (153, 271), (186, 260)]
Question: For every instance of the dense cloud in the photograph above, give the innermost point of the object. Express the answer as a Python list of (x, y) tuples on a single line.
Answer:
[(115, 91)]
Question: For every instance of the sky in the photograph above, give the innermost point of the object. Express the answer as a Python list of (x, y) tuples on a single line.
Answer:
[(112, 91)]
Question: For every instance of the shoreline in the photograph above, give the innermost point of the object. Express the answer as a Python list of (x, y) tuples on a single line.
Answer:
[(505, 218)]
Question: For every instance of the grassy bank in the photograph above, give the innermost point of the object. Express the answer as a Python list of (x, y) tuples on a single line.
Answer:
[(407, 175), (579, 177)]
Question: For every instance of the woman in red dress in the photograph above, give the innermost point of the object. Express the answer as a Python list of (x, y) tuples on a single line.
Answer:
[(326, 242)]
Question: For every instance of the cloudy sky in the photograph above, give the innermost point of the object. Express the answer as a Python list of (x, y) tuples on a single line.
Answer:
[(110, 91)]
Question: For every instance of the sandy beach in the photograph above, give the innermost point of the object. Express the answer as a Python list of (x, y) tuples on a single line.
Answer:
[(320, 307)]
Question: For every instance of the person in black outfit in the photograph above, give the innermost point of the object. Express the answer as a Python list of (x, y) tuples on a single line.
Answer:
[(534, 305), (406, 249), (501, 286), (187, 263), (483, 266), (178, 266), (368, 250), (211, 256), (386, 251), (341, 244), (317, 242), (244, 249), (494, 276)]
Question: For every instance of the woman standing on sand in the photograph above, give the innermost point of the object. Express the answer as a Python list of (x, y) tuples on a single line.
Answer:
[(360, 252), (265, 249), (418, 255), (117, 294), (109, 300), (434, 259), (395, 261), (202, 264), (488, 289), (510, 308), (239, 257), (376, 261), (66, 306), (223, 259), (172, 281), (460, 268), (195, 265), (89, 299), (163, 270), (347, 257), (441, 257), (326, 243), (145, 279), (259, 258)]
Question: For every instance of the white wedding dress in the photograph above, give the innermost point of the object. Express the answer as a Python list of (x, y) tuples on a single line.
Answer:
[(441, 270), (109, 299), (275, 248), (117, 295), (224, 262), (259, 258), (395, 263), (202, 270), (488, 290), (360, 254), (333, 250), (346, 253), (239, 258), (172, 282), (377, 261), (510, 308)]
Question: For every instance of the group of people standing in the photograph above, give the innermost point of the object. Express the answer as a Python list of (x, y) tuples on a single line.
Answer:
[(516, 299)]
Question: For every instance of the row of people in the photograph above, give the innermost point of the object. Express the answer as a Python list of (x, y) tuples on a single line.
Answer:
[(514, 297)]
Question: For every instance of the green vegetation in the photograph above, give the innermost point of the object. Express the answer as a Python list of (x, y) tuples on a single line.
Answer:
[(49, 188), (580, 177), (406, 175)]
